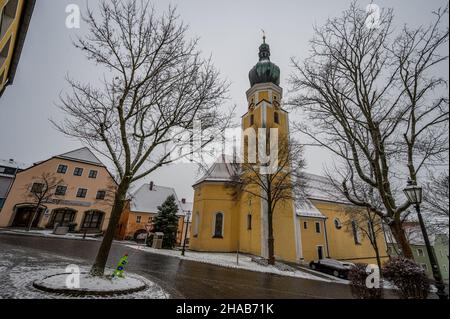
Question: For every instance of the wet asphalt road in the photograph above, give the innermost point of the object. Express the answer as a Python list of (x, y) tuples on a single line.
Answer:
[(187, 279)]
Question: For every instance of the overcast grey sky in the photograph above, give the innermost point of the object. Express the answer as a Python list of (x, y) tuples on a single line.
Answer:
[(229, 32)]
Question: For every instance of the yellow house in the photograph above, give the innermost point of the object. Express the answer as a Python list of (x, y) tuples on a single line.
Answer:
[(15, 17), (82, 195), (309, 229)]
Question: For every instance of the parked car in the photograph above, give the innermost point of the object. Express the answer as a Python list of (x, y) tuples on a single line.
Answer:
[(333, 267)]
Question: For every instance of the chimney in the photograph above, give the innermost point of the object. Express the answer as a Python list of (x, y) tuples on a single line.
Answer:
[(152, 185), (183, 200)]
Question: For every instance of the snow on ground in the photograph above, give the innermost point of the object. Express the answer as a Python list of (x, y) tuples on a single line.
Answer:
[(46, 233), (91, 283), (229, 260), (19, 269)]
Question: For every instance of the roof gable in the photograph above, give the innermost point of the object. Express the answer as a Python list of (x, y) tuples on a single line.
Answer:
[(145, 200), (223, 170), (83, 155)]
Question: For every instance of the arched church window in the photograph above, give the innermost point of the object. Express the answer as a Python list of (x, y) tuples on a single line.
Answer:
[(252, 120), (218, 225), (249, 222), (196, 223), (355, 231), (337, 223), (276, 118)]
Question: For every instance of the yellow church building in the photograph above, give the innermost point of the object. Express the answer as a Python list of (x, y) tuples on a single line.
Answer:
[(307, 229)]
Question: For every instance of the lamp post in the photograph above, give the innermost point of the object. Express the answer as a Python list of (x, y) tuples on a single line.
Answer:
[(414, 195), (188, 216)]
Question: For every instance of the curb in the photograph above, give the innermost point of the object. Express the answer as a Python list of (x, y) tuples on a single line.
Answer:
[(39, 284)]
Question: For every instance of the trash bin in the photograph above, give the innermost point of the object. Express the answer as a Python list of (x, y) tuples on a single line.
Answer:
[(61, 230), (158, 240)]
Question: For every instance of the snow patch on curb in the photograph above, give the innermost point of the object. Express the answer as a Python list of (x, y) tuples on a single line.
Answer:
[(46, 233), (229, 260)]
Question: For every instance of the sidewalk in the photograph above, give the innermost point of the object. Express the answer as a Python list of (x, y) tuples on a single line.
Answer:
[(239, 261), (47, 233)]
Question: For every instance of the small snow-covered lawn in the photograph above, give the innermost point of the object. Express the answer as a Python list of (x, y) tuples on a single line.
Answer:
[(19, 269), (229, 260), (46, 233)]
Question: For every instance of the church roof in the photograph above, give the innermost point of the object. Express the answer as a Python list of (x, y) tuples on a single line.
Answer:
[(304, 208), (147, 199), (83, 155), (320, 188), (223, 170)]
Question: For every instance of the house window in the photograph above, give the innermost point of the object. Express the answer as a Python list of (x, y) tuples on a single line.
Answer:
[(138, 219), (82, 192), (445, 268), (318, 227), (150, 219), (420, 252), (218, 225), (276, 118), (78, 171), (92, 220), (93, 174), (62, 169), (196, 224), (337, 223), (305, 225), (252, 120), (101, 195), (62, 217), (355, 231), (61, 190), (424, 266), (37, 188), (249, 222)]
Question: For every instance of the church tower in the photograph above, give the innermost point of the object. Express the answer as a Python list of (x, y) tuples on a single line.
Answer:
[(265, 112), (222, 222)]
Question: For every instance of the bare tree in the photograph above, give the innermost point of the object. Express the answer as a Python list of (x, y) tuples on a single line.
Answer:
[(370, 98), (369, 224), (154, 84), (361, 219), (280, 184), (436, 203), (41, 191)]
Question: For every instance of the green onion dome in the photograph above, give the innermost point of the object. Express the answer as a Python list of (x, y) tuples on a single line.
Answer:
[(264, 71)]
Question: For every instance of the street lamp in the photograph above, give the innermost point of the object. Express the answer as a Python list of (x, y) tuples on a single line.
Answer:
[(414, 195), (188, 216)]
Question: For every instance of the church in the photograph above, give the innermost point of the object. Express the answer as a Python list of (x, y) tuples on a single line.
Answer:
[(313, 228)]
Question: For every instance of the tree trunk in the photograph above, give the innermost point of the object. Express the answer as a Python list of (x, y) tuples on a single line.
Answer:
[(98, 269), (400, 238), (271, 240), (377, 251), (33, 217)]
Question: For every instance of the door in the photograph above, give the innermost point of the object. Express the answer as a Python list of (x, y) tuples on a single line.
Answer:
[(320, 252), (24, 215)]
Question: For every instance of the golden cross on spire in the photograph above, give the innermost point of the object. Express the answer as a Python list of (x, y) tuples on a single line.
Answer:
[(264, 35)]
